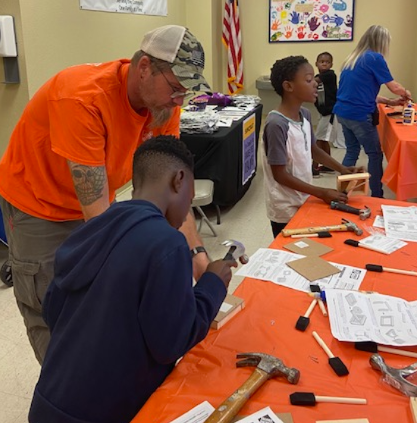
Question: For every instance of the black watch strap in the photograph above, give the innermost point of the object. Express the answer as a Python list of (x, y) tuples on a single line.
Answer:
[(200, 249)]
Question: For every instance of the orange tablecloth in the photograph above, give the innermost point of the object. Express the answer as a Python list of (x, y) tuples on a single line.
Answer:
[(266, 325), (399, 143)]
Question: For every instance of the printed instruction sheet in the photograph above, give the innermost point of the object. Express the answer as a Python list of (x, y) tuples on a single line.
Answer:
[(202, 411), (400, 222), (271, 265), (266, 415), (382, 243), (198, 414), (357, 316)]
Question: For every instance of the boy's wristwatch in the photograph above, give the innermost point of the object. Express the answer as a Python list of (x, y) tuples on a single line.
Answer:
[(200, 249)]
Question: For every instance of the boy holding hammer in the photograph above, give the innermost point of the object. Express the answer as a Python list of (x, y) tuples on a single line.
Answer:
[(121, 307)]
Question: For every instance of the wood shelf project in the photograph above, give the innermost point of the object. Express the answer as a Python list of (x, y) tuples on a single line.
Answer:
[(354, 184)]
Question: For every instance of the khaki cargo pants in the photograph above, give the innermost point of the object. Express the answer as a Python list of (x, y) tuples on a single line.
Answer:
[(32, 245)]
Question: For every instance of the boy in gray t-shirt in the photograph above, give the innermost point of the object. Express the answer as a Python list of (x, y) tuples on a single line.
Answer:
[(289, 145)]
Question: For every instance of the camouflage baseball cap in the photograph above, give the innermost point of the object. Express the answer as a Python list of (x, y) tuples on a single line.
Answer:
[(176, 45)]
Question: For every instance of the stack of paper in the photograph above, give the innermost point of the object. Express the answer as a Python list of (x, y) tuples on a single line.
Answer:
[(400, 222), (357, 316), (382, 243)]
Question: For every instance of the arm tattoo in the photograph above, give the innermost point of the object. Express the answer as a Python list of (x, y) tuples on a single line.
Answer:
[(88, 181)]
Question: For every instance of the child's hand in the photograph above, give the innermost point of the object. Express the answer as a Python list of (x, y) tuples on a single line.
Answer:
[(353, 169), (222, 269), (330, 195)]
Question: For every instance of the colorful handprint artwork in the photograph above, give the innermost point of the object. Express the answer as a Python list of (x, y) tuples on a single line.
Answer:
[(311, 20)]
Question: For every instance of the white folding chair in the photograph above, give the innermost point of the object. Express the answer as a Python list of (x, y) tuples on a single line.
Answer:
[(204, 189)]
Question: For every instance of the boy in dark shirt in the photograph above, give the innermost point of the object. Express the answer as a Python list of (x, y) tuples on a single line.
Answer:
[(122, 307), (328, 128)]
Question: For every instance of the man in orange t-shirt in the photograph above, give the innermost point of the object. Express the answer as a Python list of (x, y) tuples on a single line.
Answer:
[(73, 147)]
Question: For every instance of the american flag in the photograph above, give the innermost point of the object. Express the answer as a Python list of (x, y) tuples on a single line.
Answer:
[(233, 42)]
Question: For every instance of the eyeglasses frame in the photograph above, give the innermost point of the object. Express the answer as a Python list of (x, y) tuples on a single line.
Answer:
[(175, 93)]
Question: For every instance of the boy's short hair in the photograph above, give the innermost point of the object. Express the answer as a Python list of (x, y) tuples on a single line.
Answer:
[(285, 70), (158, 155), (325, 53)]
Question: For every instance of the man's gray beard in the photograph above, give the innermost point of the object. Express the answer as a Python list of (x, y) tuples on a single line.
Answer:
[(159, 117)]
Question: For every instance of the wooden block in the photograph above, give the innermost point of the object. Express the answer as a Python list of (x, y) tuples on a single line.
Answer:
[(354, 184), (344, 421), (229, 308), (413, 407)]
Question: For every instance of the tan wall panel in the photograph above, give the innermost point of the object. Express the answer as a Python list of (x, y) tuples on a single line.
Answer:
[(259, 54), (54, 34), (13, 97), (58, 34)]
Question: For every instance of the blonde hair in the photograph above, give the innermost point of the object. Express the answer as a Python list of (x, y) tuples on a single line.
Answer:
[(376, 38)]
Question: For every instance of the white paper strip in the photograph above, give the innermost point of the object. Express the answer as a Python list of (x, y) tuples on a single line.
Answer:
[(140, 7)]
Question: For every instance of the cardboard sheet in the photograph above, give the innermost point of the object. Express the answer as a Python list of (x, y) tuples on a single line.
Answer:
[(308, 247), (313, 268)]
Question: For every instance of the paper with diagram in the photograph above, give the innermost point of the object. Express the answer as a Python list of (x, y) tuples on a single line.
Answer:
[(266, 415), (400, 222), (202, 411), (271, 265), (357, 317)]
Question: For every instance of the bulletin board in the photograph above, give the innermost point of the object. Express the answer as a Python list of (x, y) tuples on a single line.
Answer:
[(310, 20)]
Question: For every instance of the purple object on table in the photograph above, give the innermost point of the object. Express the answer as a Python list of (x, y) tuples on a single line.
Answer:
[(217, 99)]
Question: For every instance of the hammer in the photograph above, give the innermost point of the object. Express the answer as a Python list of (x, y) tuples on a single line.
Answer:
[(362, 213), (267, 367), (236, 251), (346, 225), (396, 377)]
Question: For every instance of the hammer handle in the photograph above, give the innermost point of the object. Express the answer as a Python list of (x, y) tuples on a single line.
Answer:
[(229, 408), (314, 229), (413, 407), (228, 256), (335, 205)]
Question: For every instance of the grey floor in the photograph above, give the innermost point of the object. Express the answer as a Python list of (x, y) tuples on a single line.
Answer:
[(246, 222)]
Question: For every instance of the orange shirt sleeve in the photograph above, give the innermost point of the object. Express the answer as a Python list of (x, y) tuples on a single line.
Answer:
[(77, 132)]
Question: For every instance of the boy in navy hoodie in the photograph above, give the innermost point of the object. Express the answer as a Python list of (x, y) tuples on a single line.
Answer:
[(121, 307)]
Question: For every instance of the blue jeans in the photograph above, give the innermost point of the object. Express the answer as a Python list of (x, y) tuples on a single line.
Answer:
[(364, 134)]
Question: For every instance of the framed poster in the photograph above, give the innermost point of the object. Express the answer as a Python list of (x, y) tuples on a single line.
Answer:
[(310, 20)]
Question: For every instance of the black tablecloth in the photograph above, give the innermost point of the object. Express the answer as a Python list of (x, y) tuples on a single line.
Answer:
[(218, 157)]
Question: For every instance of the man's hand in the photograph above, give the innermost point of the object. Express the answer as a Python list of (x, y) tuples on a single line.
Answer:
[(222, 269), (329, 195), (348, 170)]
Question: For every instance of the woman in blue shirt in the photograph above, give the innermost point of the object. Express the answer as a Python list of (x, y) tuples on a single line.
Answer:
[(363, 73)]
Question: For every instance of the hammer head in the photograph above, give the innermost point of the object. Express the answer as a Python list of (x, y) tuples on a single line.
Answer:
[(364, 213), (269, 364), (353, 227), (396, 377), (236, 251)]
